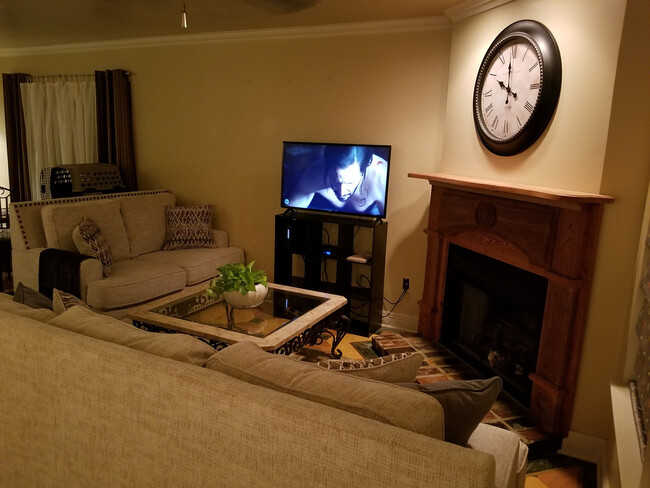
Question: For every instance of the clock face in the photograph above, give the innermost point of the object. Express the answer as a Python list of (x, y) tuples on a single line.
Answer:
[(517, 88), (509, 88)]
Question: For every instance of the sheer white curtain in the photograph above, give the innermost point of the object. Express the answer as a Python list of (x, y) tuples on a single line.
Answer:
[(60, 122)]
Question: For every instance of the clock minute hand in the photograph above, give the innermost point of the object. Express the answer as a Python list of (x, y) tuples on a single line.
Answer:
[(510, 92)]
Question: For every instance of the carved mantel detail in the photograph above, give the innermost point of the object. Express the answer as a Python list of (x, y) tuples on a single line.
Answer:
[(549, 232)]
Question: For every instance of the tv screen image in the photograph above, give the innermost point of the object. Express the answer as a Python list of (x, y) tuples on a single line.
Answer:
[(332, 177)]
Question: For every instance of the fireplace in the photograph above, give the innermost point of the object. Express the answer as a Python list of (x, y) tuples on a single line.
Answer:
[(541, 239), (492, 317)]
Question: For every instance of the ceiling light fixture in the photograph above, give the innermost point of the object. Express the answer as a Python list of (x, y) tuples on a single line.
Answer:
[(184, 17)]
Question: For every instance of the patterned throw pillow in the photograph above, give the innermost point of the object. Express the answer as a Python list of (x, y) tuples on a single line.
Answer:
[(188, 228), (90, 241), (62, 301), (394, 368)]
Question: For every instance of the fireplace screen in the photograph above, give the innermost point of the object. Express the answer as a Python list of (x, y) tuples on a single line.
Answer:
[(492, 317)]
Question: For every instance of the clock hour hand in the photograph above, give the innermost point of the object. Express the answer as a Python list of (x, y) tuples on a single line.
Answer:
[(507, 89)]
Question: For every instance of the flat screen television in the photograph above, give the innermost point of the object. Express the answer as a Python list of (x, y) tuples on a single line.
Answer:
[(331, 177)]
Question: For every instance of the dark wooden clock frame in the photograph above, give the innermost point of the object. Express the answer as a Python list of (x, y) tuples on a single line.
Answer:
[(549, 93)]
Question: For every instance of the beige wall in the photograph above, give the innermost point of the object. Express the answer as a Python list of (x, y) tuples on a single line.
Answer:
[(210, 119), (582, 150), (569, 154)]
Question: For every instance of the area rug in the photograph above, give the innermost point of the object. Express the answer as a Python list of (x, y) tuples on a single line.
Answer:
[(546, 468)]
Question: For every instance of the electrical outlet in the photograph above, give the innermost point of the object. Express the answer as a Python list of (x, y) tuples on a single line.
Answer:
[(405, 284)]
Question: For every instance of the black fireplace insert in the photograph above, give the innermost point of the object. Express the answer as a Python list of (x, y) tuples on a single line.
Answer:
[(492, 317)]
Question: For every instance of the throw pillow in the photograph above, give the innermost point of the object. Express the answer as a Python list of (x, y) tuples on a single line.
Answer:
[(40, 314), (188, 228), (180, 347), (376, 400), (465, 403), (394, 368), (33, 299), (62, 301), (90, 241)]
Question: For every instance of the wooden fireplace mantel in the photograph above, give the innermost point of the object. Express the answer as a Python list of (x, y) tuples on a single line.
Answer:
[(541, 194), (547, 231)]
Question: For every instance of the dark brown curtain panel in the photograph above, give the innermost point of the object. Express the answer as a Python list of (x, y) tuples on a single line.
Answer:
[(115, 125), (16, 138)]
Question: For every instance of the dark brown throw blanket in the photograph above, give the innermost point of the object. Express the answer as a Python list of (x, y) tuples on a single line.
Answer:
[(59, 269)]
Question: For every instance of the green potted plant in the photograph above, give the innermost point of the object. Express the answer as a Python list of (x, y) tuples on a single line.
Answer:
[(240, 285)]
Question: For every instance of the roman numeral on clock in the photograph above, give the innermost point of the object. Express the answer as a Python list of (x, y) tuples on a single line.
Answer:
[(495, 122), (529, 107), (487, 93), (488, 110), (533, 66), (505, 126)]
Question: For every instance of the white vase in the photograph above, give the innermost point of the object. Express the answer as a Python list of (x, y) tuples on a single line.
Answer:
[(251, 299)]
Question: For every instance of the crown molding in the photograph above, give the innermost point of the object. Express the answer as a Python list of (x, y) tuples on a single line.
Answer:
[(332, 30), (471, 8)]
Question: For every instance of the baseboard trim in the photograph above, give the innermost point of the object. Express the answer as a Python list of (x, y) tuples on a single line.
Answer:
[(407, 323), (586, 448)]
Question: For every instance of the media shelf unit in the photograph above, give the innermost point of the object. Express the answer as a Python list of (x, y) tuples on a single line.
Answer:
[(302, 235)]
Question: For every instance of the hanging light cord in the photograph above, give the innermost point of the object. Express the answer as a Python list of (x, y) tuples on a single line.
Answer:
[(184, 17)]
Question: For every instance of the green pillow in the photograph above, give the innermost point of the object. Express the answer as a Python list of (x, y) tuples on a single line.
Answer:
[(465, 403), (31, 298)]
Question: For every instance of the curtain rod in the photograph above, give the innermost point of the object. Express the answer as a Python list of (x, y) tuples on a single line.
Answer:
[(60, 77), (90, 76)]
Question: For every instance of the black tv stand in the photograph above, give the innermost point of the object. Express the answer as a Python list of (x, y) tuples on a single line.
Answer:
[(321, 252)]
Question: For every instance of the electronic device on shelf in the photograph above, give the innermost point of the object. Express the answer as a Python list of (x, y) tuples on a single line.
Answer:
[(337, 178), (360, 257)]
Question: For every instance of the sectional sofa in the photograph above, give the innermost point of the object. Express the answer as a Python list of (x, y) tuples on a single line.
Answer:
[(88, 400), (135, 226)]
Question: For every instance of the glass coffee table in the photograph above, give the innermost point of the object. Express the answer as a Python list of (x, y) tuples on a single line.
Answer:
[(288, 319)]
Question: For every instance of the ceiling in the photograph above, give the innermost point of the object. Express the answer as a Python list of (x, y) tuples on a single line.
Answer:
[(41, 23)]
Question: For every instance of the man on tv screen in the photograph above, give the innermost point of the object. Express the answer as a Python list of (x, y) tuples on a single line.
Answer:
[(349, 179)]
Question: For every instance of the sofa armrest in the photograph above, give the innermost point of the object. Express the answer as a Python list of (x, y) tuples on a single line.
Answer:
[(220, 237), (25, 264), (509, 452)]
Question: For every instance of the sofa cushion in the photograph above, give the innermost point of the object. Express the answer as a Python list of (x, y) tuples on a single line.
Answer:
[(133, 281), (199, 264), (30, 297), (465, 403), (393, 368), (145, 221), (90, 241), (181, 347), (380, 401), (60, 220), (8, 305), (188, 228)]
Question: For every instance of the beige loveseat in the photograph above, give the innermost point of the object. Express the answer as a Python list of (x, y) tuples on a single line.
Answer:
[(79, 409), (134, 225)]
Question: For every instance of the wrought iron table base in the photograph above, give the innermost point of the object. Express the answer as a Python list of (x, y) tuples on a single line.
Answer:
[(336, 328)]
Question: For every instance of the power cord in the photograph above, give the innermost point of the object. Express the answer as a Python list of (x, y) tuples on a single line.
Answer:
[(394, 304)]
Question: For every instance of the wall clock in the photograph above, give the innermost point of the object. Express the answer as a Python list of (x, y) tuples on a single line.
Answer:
[(517, 87)]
